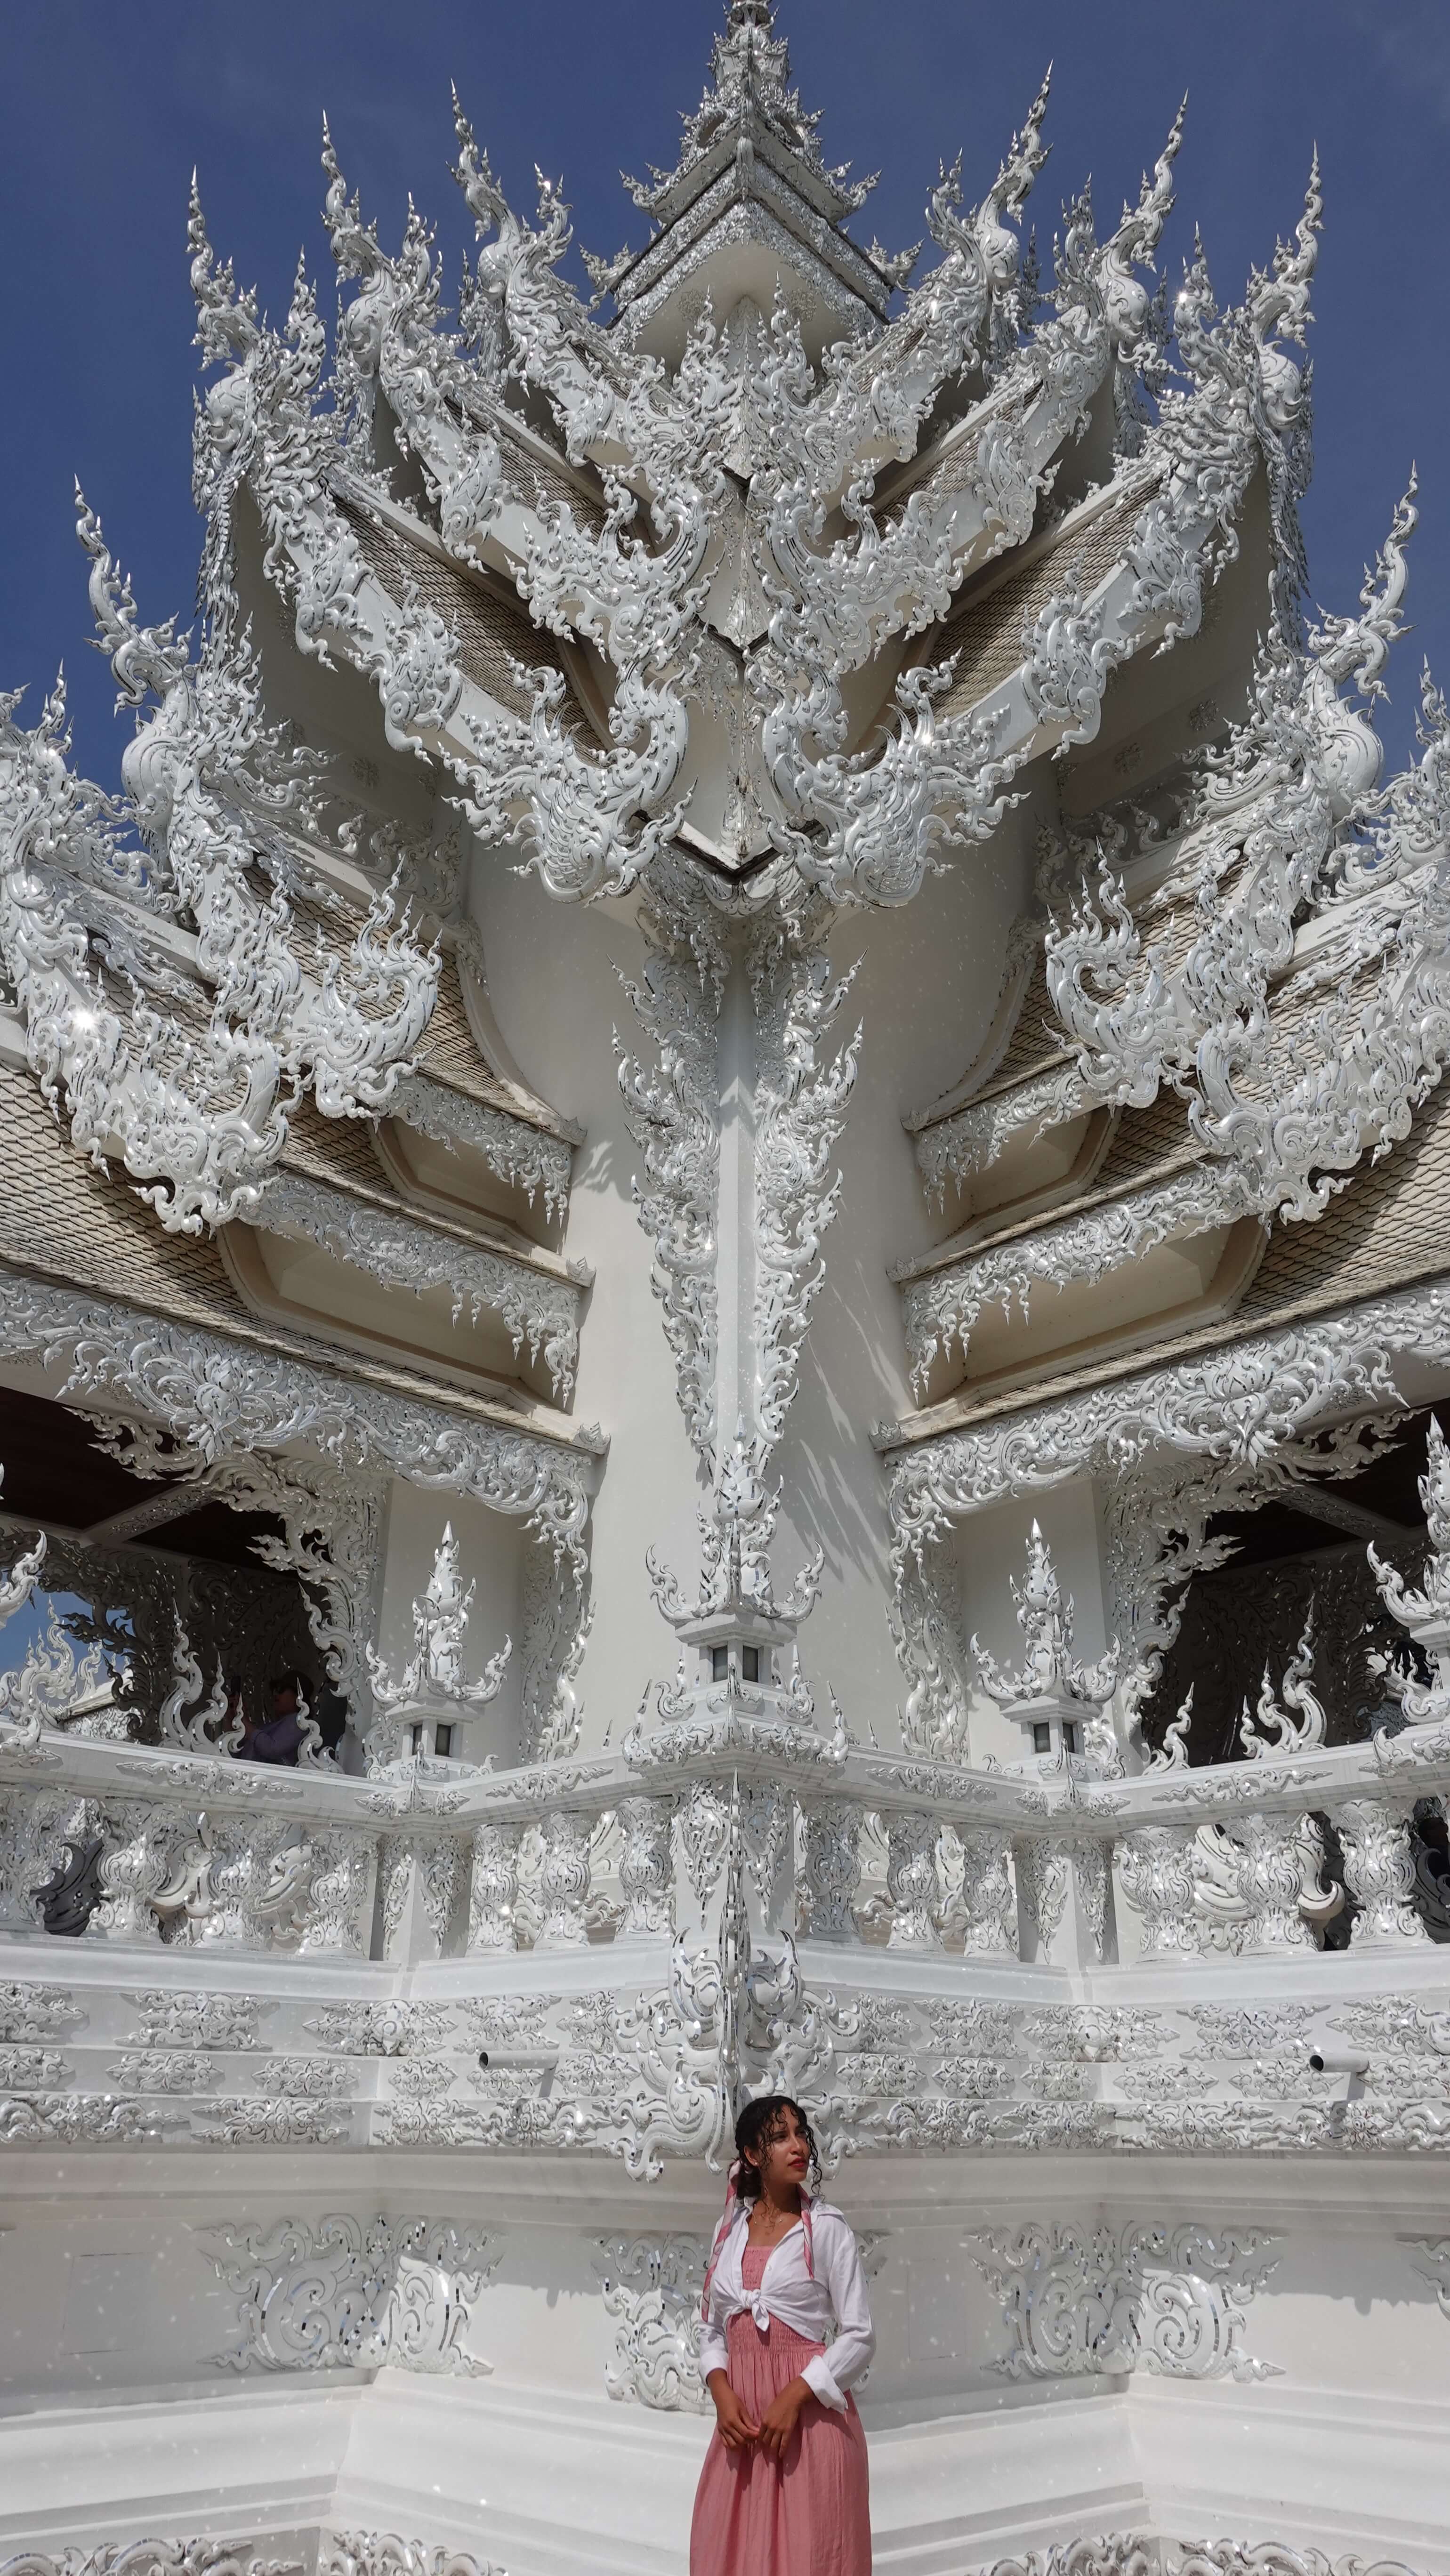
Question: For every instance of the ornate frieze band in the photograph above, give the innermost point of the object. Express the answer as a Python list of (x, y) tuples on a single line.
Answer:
[(218, 1396), (377, 2553)]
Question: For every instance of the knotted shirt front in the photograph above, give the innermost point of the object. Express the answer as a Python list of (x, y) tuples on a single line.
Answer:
[(808, 2289)]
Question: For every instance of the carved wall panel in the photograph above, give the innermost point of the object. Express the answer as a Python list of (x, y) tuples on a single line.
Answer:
[(1169, 2300), (652, 2288), (336, 2293)]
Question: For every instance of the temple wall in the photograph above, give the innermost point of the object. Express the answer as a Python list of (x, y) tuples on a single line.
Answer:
[(539, 954), (926, 989), (1318, 2420), (926, 992)]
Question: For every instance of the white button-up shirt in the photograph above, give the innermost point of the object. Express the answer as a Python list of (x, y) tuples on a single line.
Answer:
[(807, 2305)]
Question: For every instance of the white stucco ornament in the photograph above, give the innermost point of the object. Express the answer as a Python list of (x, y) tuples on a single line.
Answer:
[(766, 844)]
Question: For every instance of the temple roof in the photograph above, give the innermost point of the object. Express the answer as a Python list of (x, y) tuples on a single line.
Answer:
[(62, 1220), (748, 94), (685, 592), (1390, 1231)]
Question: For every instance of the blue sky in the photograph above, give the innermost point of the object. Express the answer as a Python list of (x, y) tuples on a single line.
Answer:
[(108, 103)]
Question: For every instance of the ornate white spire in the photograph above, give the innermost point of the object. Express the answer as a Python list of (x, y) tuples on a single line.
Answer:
[(1053, 1697), (432, 1683), (748, 92), (1046, 1619)]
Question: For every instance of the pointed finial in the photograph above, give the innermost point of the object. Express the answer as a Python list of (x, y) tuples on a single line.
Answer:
[(1360, 645), (197, 242), (1155, 197), (484, 196), (1126, 300), (1026, 155), (1277, 305)]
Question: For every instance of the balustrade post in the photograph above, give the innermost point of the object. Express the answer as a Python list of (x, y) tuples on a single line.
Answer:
[(494, 1885), (1155, 1872), (339, 1900), (564, 1876), (989, 1898), (767, 1842), (418, 1878), (437, 1863), (1278, 1850), (131, 1872), (1065, 1908), (394, 1888), (237, 1870), (911, 1881), (702, 1836), (280, 1886), (832, 1868), (27, 1817), (1379, 1868), (644, 1864)]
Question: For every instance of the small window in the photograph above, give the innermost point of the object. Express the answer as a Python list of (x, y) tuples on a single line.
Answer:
[(719, 1663), (444, 1739), (1069, 1736), (1041, 1739), (417, 1738), (750, 1663)]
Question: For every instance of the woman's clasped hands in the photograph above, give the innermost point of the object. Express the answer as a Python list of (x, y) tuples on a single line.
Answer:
[(738, 2429)]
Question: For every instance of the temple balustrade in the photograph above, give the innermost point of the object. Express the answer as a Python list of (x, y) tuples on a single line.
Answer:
[(1337, 1850)]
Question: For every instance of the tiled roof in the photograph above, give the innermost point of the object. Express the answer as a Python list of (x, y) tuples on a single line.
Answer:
[(986, 630), (64, 1220), (1389, 1228), (335, 1149), (493, 633), (448, 1050)]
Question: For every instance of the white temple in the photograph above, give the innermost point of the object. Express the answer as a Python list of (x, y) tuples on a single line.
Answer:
[(753, 1013)]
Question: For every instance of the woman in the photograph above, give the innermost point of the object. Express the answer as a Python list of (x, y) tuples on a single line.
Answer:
[(783, 2491)]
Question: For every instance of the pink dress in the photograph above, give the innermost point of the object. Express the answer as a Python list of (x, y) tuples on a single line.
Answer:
[(807, 2515)]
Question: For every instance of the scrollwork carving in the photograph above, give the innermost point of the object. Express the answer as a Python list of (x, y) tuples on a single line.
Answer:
[(652, 2291), (343, 2293), (1169, 2300)]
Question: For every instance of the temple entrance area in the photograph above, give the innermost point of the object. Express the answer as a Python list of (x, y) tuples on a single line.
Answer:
[(156, 1613), (1290, 1644), (1298, 1596)]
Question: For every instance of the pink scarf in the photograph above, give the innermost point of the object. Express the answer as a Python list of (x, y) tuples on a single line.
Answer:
[(728, 2216)]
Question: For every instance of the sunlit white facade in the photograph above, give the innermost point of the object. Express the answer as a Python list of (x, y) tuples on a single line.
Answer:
[(737, 1129)]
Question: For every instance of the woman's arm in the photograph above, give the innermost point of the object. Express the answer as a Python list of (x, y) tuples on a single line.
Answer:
[(841, 2365), (783, 2414), (714, 2351), (737, 2430)]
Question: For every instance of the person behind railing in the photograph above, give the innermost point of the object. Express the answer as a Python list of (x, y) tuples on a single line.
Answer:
[(276, 1738)]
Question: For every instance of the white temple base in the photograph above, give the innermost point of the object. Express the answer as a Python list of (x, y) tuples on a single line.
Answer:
[(1340, 2447)]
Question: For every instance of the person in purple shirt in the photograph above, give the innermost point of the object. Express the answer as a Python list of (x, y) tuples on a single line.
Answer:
[(276, 1738)]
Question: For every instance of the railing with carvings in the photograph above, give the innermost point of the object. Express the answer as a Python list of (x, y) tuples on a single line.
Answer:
[(735, 1815), (606, 1952), (130, 1844)]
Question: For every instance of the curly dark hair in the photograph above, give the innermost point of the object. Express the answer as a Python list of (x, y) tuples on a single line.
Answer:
[(759, 2124)]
